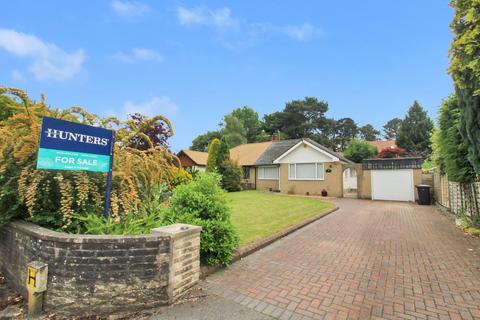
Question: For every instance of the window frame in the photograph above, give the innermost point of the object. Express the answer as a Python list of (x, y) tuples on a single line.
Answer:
[(294, 176), (245, 170), (260, 169)]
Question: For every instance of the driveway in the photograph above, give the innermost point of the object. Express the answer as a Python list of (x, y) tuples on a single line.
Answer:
[(384, 260)]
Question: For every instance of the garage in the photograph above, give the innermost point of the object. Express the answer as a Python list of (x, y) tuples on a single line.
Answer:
[(394, 179), (394, 185)]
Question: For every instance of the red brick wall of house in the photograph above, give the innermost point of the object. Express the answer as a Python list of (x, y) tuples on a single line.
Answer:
[(185, 160)]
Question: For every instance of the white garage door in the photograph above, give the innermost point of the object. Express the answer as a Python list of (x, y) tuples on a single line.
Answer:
[(392, 185)]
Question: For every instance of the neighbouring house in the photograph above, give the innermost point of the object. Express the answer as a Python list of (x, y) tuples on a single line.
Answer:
[(193, 159), (383, 144)]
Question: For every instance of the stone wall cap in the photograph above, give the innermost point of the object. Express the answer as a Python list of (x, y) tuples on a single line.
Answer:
[(177, 230), (47, 234)]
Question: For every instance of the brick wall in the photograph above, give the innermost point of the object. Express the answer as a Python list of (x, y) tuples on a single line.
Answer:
[(102, 274)]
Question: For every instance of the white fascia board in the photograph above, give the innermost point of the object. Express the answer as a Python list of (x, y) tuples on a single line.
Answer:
[(309, 144)]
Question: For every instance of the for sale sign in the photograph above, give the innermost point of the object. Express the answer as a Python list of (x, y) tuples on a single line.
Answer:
[(66, 145)]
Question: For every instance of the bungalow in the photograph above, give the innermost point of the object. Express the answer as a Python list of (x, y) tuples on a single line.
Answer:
[(298, 166)]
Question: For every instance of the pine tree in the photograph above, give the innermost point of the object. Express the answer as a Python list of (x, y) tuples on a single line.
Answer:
[(415, 130)]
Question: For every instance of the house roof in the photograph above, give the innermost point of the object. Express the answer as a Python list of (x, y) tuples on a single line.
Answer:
[(248, 154), (278, 148), (200, 158), (382, 144)]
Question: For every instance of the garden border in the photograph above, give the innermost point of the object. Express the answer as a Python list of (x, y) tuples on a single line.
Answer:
[(262, 243)]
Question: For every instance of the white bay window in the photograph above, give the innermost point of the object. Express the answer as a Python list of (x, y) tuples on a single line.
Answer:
[(306, 171)]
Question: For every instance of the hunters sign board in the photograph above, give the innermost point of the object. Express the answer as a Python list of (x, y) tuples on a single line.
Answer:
[(66, 145)]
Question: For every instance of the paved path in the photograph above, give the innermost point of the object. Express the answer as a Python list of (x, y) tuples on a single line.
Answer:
[(368, 260)]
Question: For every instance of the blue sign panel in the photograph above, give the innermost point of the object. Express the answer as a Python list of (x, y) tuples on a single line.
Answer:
[(66, 145)]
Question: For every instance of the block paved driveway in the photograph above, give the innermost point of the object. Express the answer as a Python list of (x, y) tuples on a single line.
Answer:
[(385, 260)]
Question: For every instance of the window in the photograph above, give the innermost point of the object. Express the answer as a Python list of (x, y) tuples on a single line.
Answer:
[(246, 172), (268, 173), (305, 171)]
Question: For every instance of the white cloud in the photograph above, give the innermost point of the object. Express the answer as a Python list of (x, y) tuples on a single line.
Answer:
[(138, 55), (302, 32), (49, 62), (219, 18), (130, 8), (17, 76), (154, 106)]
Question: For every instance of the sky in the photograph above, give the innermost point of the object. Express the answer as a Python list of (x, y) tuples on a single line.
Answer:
[(194, 62)]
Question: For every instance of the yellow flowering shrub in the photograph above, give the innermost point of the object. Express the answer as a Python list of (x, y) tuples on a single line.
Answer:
[(55, 196)]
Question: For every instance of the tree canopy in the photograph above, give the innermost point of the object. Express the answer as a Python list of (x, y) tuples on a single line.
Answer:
[(415, 130), (465, 70), (201, 142), (359, 150), (390, 129), (368, 132)]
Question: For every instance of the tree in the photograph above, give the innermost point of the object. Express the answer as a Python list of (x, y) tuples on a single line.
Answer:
[(415, 130), (250, 121), (345, 130), (202, 142), (213, 148), (465, 70), (359, 150), (368, 132), (299, 119), (223, 153), (390, 128), (450, 149), (233, 131)]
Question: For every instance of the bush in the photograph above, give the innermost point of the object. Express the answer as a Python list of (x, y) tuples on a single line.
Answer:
[(359, 150), (54, 197), (202, 202), (231, 176), (395, 152)]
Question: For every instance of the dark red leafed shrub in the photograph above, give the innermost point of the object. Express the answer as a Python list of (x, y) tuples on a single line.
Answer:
[(395, 152)]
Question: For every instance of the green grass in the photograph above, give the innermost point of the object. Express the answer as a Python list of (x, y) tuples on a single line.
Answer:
[(258, 214)]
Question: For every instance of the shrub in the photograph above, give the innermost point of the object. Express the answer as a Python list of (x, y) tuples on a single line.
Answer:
[(395, 152), (231, 176), (202, 202), (54, 197), (359, 150)]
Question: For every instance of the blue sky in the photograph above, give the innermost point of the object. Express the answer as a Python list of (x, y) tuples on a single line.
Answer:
[(196, 61)]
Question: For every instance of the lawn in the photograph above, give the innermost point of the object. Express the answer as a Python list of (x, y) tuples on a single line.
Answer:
[(258, 214)]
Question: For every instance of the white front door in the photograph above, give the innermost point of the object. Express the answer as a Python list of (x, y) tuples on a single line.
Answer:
[(393, 185)]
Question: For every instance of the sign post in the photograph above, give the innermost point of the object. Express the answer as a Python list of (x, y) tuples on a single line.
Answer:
[(66, 145)]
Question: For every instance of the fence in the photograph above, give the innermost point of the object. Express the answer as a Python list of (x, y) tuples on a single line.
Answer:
[(459, 198)]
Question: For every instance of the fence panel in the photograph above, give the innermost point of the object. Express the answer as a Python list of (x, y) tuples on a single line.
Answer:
[(459, 198)]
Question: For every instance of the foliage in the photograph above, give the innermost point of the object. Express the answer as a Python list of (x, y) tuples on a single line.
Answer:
[(450, 150), (465, 70), (390, 128), (345, 130), (233, 131), (202, 142), (415, 130), (231, 176), (223, 153), (395, 152), (194, 172), (156, 129), (26, 191), (202, 202), (359, 150), (212, 164), (251, 123), (368, 132), (177, 177)]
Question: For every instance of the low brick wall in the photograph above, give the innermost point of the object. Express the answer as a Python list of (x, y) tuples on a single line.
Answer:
[(103, 274)]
